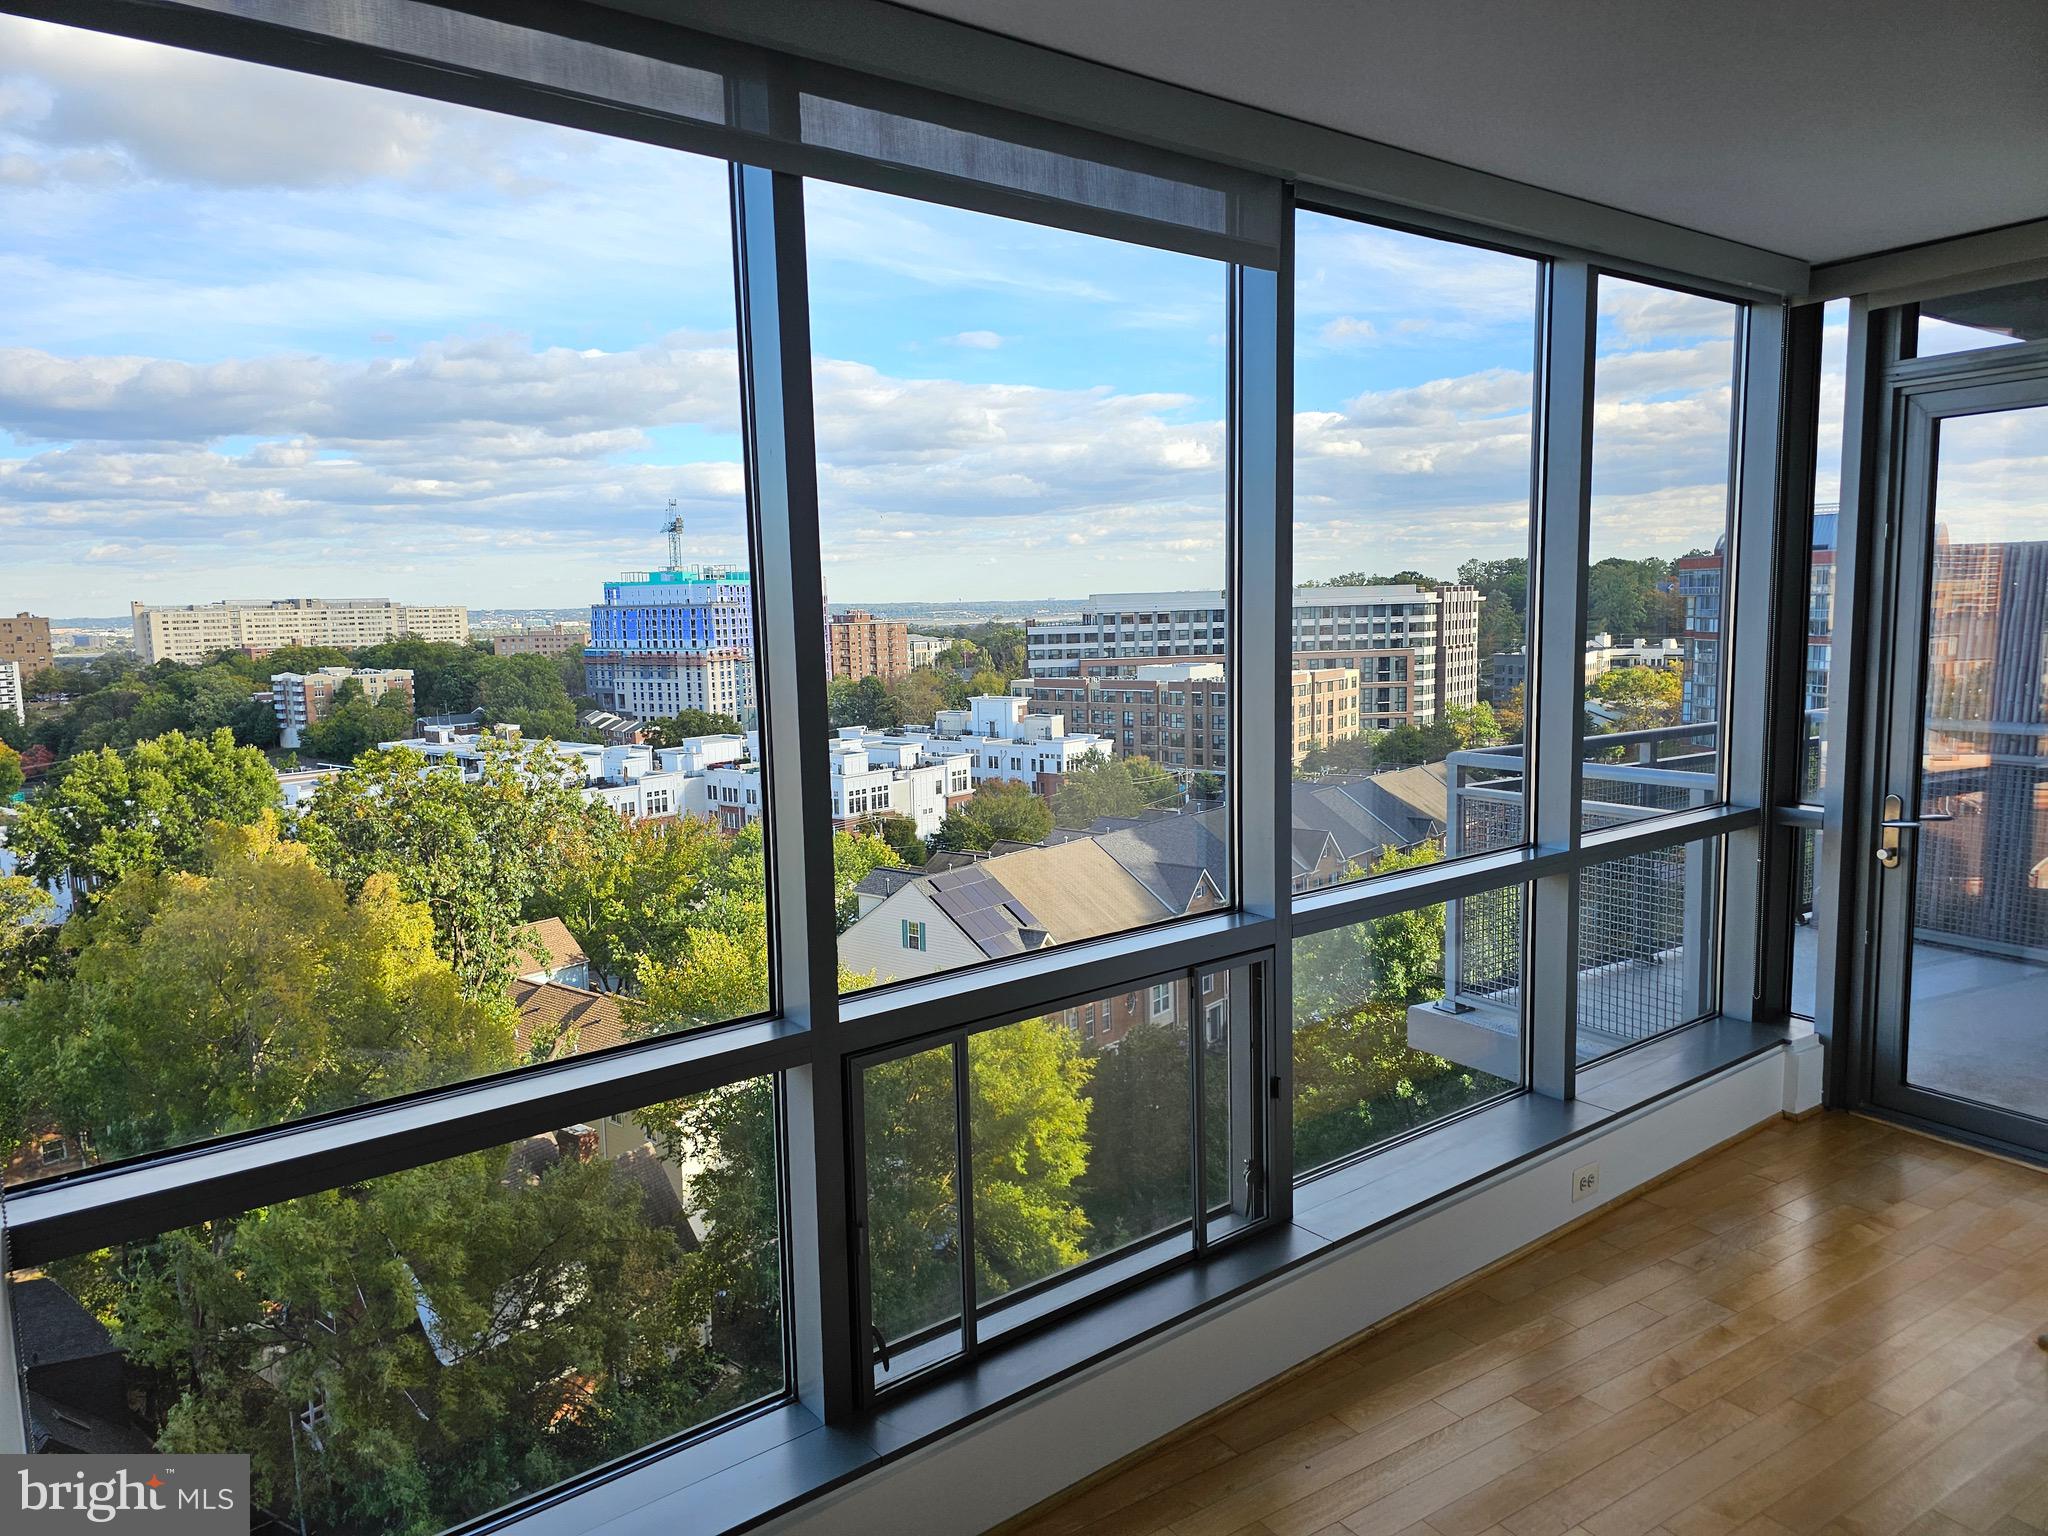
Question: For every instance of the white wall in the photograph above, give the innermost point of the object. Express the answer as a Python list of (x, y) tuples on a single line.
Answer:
[(874, 943), (1009, 1462)]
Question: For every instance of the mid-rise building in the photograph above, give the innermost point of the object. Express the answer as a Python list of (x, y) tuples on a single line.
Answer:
[(860, 645), (1416, 651), (637, 781), (192, 632), (1178, 712), (925, 649), (543, 640), (25, 641), (1700, 585), (12, 700), (302, 700), (665, 641), (1505, 671)]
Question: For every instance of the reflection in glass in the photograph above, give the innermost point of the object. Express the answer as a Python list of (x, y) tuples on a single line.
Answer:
[(1976, 1024), (1805, 937), (414, 1350), (1649, 937), (1023, 522), (1988, 317), (1402, 1020), (1412, 444), (1663, 421), (910, 1115), (1820, 570)]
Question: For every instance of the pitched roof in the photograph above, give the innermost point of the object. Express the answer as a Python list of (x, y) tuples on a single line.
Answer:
[(886, 880), (52, 1326), (1171, 855), (1066, 892), (547, 940), (548, 1007)]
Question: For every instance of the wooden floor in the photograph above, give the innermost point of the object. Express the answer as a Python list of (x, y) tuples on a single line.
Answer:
[(1826, 1328)]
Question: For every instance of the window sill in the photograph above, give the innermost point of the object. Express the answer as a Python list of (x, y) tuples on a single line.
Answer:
[(785, 1457)]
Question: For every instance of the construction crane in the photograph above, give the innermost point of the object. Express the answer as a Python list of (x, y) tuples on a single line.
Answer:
[(674, 529)]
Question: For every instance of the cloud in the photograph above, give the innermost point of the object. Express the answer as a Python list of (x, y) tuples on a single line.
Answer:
[(1349, 328), (191, 117), (979, 341)]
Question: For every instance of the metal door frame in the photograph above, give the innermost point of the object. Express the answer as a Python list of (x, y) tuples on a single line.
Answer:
[(1920, 395)]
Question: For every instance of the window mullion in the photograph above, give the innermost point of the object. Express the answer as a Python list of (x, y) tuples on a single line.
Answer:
[(775, 370), (1564, 459)]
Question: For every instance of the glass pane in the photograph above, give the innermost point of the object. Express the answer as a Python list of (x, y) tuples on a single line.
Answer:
[(1022, 504), (1662, 428), (1403, 1020), (408, 1352), (1080, 1132), (1976, 1025), (1649, 939), (1805, 936), (1233, 1096), (416, 381), (910, 1112), (1990, 317), (1820, 571), (1412, 444)]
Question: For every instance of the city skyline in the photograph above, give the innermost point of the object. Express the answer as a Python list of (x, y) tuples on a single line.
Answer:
[(504, 400)]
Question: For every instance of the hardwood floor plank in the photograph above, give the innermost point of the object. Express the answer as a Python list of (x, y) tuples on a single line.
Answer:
[(1826, 1329)]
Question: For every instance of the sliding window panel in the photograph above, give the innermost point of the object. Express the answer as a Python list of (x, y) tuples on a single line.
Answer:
[(1231, 1010), (355, 407), (1413, 392), (1649, 944), (1805, 933), (1656, 661), (1403, 1021), (413, 1351), (1022, 500), (912, 1154)]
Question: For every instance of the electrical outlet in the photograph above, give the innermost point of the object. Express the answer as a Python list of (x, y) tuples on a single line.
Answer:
[(1585, 1182)]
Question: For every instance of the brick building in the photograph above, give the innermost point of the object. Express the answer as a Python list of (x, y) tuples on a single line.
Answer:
[(861, 645), (25, 641)]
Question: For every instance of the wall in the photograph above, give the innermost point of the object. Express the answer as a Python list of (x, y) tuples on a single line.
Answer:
[(1013, 1460)]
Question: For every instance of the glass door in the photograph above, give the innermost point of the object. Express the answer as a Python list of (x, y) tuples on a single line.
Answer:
[(1960, 852)]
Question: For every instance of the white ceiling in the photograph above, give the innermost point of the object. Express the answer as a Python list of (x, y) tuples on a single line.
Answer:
[(1820, 129)]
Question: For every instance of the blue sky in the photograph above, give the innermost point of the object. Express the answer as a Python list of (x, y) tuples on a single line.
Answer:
[(319, 339)]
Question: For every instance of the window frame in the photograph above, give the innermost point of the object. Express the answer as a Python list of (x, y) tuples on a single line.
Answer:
[(812, 1037)]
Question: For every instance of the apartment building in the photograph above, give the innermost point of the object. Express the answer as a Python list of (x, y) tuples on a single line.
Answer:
[(191, 632), (25, 641), (1416, 651), (302, 700), (1178, 712), (674, 639), (925, 649), (543, 640), (860, 645), (12, 699)]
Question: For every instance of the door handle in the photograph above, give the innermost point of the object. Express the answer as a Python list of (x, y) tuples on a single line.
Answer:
[(1897, 821)]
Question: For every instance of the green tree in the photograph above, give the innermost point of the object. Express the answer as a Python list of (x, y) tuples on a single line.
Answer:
[(1097, 786), (853, 855), (475, 852), (24, 948), (681, 726), (1641, 697), (525, 691), (111, 815), (900, 833), (918, 696), (866, 702), (11, 777), (998, 810), (1136, 1181), (445, 676), (253, 992), (1028, 1117), (467, 1332)]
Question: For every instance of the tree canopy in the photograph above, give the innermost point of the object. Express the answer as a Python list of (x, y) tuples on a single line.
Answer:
[(112, 815), (999, 809), (1097, 786)]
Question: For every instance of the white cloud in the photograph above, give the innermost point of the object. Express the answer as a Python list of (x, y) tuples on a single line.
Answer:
[(979, 341)]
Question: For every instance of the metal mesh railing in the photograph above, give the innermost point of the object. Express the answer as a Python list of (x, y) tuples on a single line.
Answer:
[(1633, 944)]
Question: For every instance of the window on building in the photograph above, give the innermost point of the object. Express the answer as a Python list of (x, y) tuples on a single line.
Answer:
[(1663, 434), (1097, 369), (1414, 385), (913, 935)]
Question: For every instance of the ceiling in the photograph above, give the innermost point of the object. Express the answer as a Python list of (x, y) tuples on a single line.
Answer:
[(1819, 129)]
